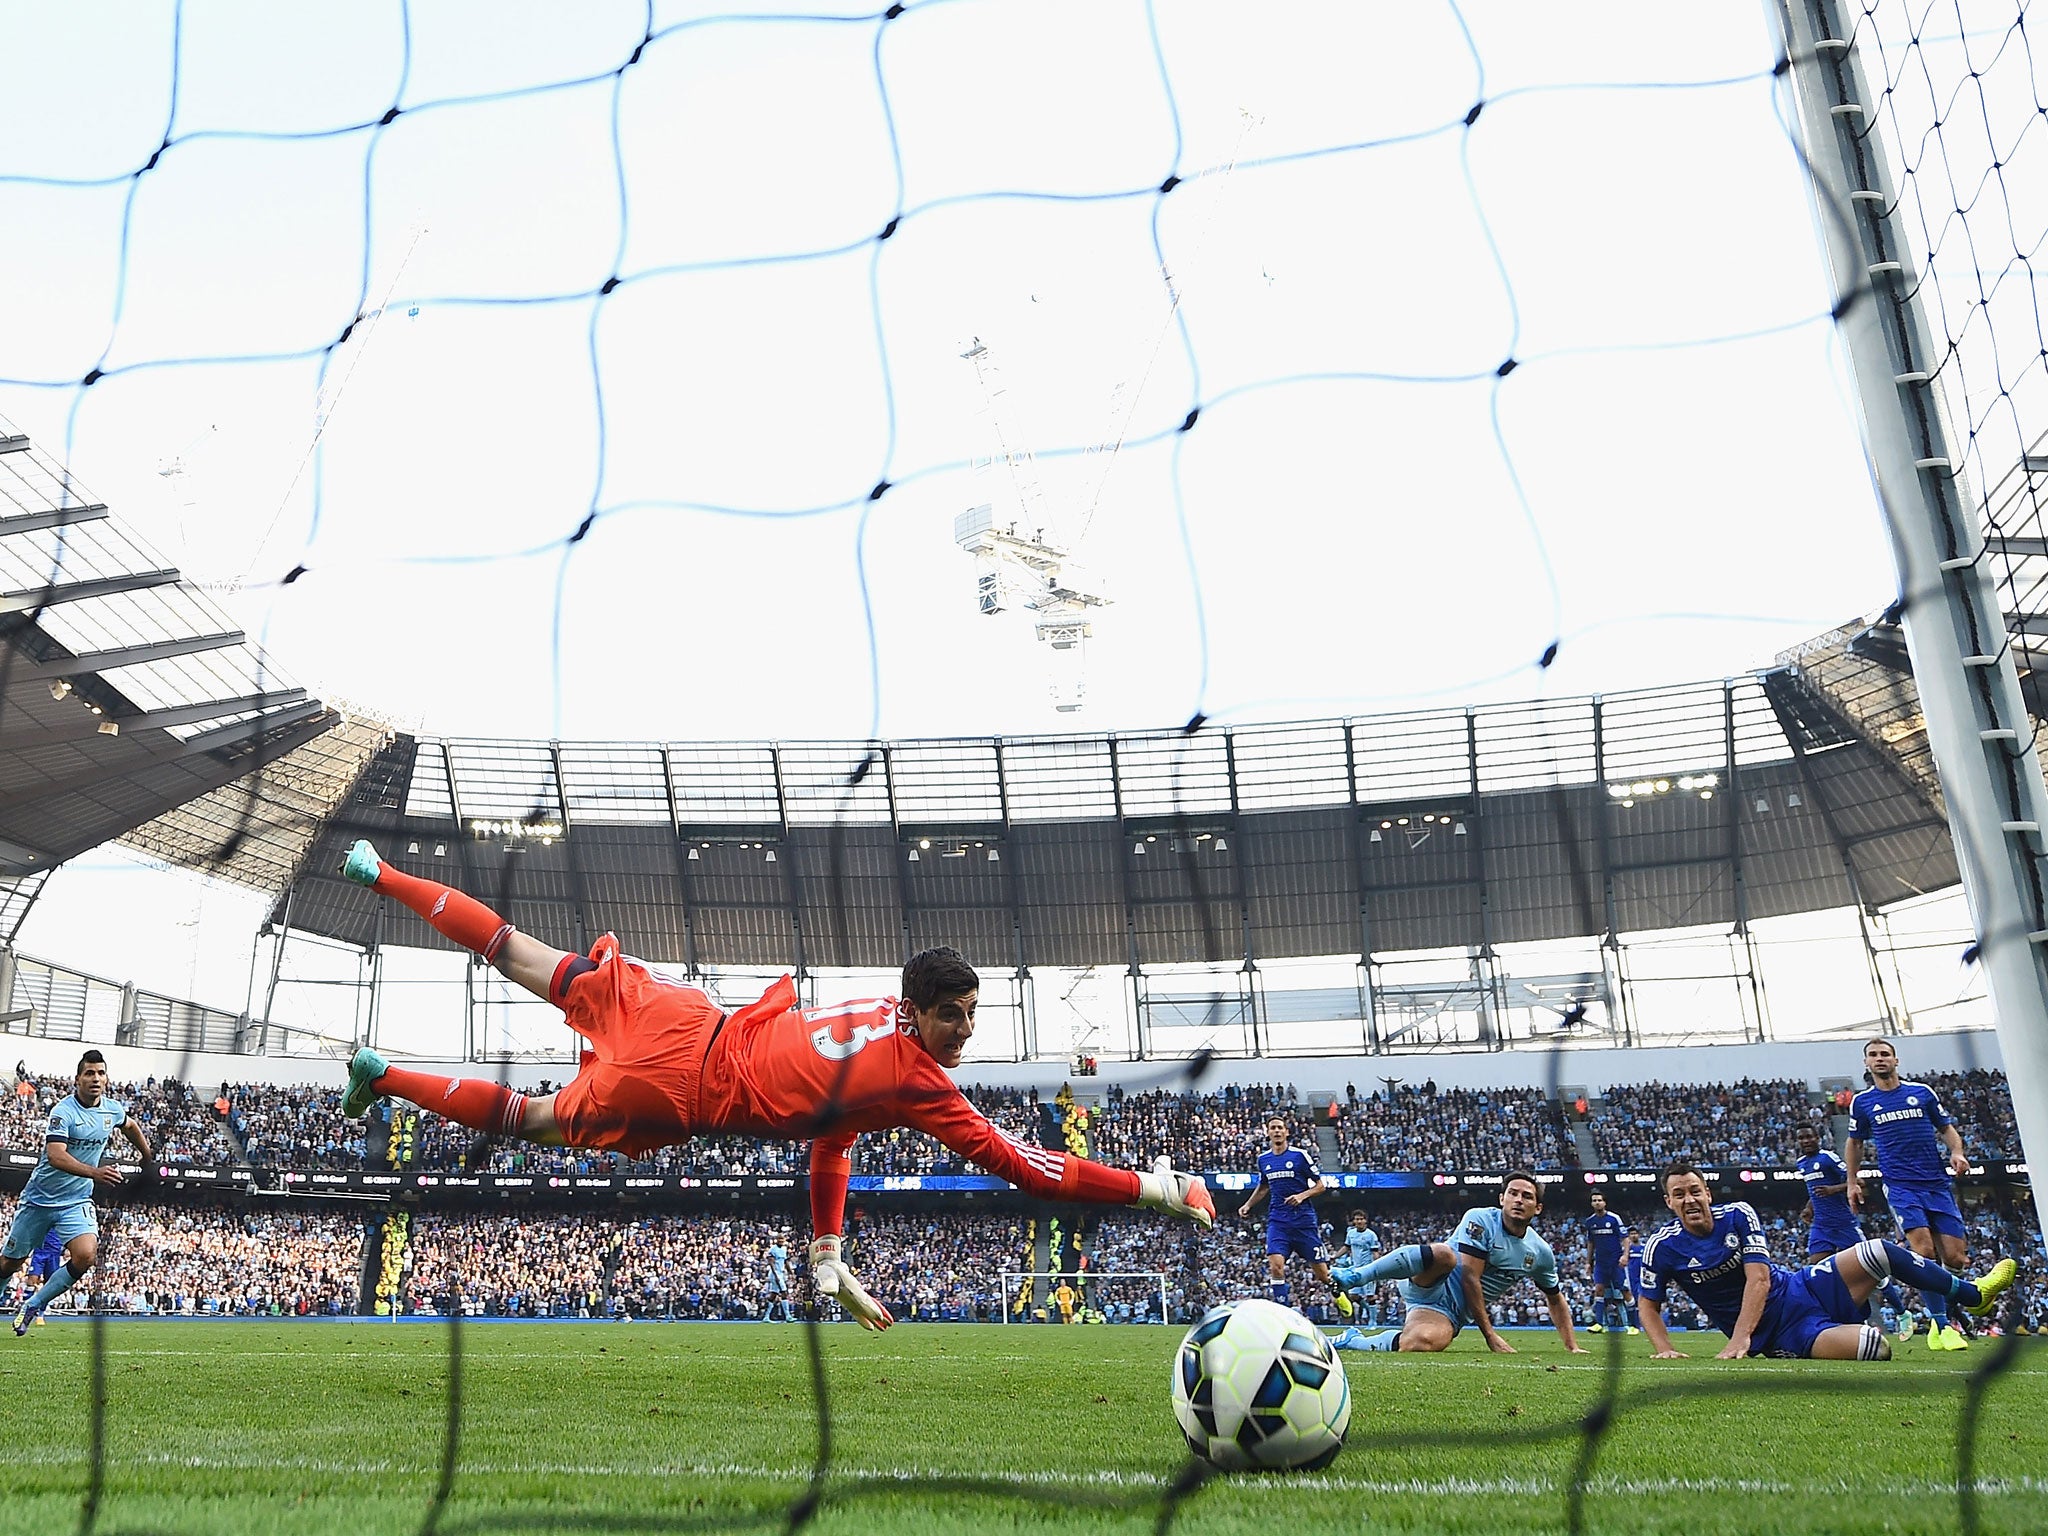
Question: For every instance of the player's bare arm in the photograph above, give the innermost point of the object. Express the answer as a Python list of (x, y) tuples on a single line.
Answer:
[(1852, 1160), (136, 1139), (103, 1174), (1470, 1273), (1251, 1204), (1652, 1318), (1958, 1159), (1561, 1320), (1756, 1290)]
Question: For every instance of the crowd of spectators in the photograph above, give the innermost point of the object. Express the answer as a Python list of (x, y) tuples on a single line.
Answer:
[(1426, 1127), (211, 1261), (510, 1266), (1197, 1130), (1646, 1125), (300, 1127), (1981, 1105), (184, 1127)]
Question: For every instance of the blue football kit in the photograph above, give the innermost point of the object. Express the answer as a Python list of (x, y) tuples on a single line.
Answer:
[(1481, 1233), (1604, 1234), (1834, 1224), (56, 1204), (1713, 1269), (1902, 1123), (1291, 1230)]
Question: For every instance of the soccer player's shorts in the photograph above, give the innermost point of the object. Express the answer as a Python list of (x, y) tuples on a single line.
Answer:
[(1294, 1239), (1925, 1205), (33, 1223), (1813, 1301), (1608, 1277), (1446, 1296), (1821, 1241), (649, 1034)]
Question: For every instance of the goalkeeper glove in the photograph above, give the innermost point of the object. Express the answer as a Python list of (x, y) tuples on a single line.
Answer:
[(1177, 1194), (832, 1278)]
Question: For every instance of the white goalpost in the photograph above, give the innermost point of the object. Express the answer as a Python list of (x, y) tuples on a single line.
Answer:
[(1089, 1285)]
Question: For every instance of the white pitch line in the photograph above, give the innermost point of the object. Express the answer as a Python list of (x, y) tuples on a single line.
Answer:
[(1441, 1487)]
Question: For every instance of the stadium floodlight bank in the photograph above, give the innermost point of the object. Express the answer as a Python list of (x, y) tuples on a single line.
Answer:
[(1088, 1288)]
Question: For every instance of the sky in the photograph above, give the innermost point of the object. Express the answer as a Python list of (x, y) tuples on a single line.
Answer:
[(1370, 510)]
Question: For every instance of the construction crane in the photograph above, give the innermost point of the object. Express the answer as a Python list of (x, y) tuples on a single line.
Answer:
[(1020, 561)]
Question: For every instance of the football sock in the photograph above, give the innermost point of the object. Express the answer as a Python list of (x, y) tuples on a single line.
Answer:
[(476, 1102), (448, 912), (1384, 1343), (1884, 1259), (55, 1286), (1402, 1264), (1894, 1297), (1280, 1292)]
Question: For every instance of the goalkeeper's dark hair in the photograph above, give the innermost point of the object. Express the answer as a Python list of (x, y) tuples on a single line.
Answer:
[(1677, 1170), (931, 975)]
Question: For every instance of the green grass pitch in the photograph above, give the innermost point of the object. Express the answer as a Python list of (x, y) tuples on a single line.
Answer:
[(243, 1427)]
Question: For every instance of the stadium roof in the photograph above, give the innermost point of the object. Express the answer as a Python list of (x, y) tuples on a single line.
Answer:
[(1677, 807), (131, 708), (129, 701)]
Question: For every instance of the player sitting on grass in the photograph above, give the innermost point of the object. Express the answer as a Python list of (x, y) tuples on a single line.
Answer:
[(1292, 1178), (57, 1200), (1718, 1256), (666, 1063), (1918, 1148), (1449, 1284)]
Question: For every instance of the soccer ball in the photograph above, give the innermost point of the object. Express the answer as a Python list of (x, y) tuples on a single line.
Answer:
[(1257, 1386)]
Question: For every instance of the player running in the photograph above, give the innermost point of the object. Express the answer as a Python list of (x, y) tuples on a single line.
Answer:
[(1605, 1234), (1450, 1284), (1834, 1226), (666, 1064), (1291, 1177), (1718, 1255), (1918, 1148), (1361, 1247), (57, 1200)]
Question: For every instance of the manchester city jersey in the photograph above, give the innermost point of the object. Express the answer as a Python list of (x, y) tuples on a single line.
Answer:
[(1711, 1269), (1289, 1173), (1902, 1121), (1481, 1233), (1605, 1232), (1364, 1246), (1831, 1213), (85, 1134)]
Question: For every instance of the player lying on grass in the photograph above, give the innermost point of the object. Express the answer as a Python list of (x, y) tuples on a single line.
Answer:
[(1450, 1284), (1718, 1256), (666, 1064), (57, 1200)]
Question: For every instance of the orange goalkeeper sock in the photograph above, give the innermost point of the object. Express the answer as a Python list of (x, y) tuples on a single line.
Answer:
[(448, 912), (476, 1102)]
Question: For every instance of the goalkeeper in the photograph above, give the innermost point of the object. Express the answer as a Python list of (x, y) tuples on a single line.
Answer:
[(666, 1064)]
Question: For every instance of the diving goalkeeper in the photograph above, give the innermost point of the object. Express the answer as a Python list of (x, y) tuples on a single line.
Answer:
[(667, 1064)]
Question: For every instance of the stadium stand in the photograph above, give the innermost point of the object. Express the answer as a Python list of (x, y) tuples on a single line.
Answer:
[(1426, 1127), (1645, 1125)]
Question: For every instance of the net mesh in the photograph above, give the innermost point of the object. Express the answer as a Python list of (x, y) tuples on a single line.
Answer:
[(1960, 109)]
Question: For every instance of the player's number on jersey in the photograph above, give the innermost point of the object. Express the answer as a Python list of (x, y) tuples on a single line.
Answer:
[(827, 1045)]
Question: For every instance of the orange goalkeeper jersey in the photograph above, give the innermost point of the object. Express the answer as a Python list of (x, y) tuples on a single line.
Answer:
[(830, 1073)]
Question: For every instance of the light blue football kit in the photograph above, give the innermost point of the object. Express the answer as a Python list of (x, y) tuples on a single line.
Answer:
[(59, 1204)]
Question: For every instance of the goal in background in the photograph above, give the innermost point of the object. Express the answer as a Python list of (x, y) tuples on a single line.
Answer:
[(1028, 1293)]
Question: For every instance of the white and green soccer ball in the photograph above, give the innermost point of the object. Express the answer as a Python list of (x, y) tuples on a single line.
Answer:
[(1256, 1386)]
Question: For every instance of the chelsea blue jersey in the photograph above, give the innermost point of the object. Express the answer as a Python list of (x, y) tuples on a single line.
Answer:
[(1481, 1233), (1903, 1121), (1289, 1173), (1831, 1213), (1605, 1232), (1712, 1269), (85, 1134)]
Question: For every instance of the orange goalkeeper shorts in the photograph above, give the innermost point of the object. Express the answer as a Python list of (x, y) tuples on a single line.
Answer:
[(648, 1034)]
